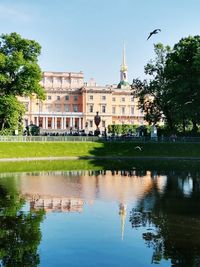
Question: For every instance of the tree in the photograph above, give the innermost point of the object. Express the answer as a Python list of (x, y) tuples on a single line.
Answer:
[(173, 90), (11, 112), (154, 97), (183, 72), (20, 75)]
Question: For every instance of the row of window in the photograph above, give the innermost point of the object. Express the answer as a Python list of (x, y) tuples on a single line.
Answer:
[(67, 97), (103, 98), (57, 107), (75, 98), (122, 110)]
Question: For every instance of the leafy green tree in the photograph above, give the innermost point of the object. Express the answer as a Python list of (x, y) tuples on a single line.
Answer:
[(122, 129), (173, 89), (20, 75), (153, 93), (32, 129), (183, 72), (11, 112)]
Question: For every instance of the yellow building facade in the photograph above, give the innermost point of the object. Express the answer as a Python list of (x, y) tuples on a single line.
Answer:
[(71, 104)]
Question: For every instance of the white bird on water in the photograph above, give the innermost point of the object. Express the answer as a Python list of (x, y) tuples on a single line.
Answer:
[(138, 147)]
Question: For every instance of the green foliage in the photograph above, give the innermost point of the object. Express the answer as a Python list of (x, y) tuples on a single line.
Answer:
[(11, 113), (33, 129), (119, 129), (19, 72), (152, 93), (183, 72), (173, 90), (19, 76)]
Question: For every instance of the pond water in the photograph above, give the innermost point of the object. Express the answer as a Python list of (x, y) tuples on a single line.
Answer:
[(100, 218)]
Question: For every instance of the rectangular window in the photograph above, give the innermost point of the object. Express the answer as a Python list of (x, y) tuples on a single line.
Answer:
[(113, 110), (132, 99), (103, 124), (132, 110), (123, 110), (66, 108), (75, 108), (49, 107), (75, 98), (91, 123), (49, 97), (103, 97), (58, 108), (90, 97), (91, 108), (123, 99), (113, 99), (58, 97), (103, 109), (49, 122), (66, 97)]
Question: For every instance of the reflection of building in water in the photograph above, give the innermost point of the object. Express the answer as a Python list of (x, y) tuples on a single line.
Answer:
[(87, 186), (122, 213), (119, 186), (57, 204)]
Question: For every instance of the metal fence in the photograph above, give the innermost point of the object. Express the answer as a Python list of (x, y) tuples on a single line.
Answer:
[(48, 138), (96, 138)]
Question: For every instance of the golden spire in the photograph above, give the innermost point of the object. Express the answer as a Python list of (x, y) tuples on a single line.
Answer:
[(123, 65)]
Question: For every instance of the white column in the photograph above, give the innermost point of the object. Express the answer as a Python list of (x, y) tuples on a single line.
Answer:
[(64, 126), (46, 122), (43, 123), (37, 121), (52, 123), (71, 122), (55, 122), (62, 123), (79, 123)]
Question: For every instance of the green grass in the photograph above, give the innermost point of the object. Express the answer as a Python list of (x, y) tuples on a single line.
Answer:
[(40, 166), (59, 149)]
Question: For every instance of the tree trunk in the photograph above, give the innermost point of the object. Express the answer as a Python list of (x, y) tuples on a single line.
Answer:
[(184, 126), (195, 128), (169, 121), (3, 124)]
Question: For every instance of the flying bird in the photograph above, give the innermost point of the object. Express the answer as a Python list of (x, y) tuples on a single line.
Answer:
[(188, 102), (138, 147), (153, 32)]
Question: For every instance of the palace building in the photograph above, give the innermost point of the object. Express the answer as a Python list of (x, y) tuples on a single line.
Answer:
[(71, 103)]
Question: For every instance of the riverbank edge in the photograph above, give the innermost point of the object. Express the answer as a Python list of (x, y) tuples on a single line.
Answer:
[(98, 157)]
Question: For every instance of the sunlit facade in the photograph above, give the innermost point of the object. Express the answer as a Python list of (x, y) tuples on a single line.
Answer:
[(71, 103)]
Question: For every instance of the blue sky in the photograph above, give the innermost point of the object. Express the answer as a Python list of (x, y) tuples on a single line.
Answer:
[(88, 35)]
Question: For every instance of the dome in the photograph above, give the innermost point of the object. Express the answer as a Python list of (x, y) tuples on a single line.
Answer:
[(123, 84)]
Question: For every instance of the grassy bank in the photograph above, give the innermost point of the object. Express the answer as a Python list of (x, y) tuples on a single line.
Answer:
[(140, 165), (59, 149)]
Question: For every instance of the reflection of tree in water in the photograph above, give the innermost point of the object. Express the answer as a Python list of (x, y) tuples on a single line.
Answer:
[(19, 231), (172, 220)]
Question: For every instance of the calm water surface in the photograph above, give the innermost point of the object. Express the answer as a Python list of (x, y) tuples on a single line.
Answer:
[(100, 219)]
